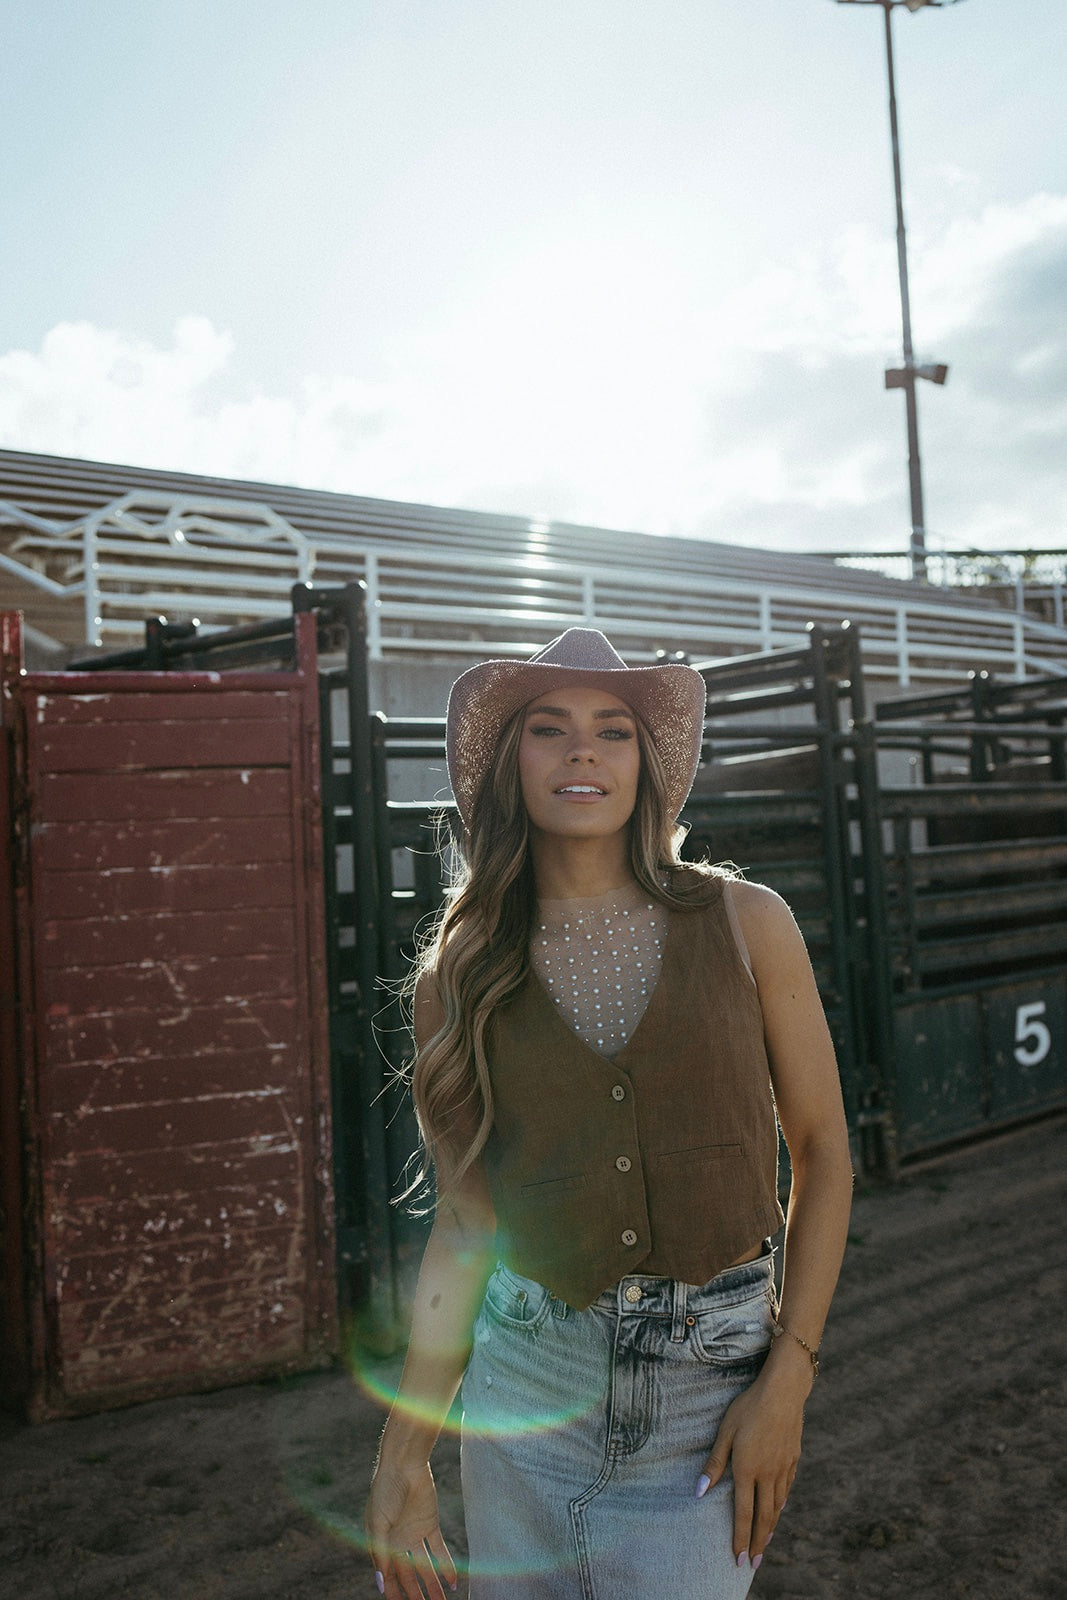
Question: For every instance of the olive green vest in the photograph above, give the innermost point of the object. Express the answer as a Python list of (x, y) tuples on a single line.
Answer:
[(662, 1161)]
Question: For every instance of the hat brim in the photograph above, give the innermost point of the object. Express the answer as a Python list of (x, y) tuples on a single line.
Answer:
[(670, 699)]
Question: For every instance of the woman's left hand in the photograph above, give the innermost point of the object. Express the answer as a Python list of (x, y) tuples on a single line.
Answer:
[(759, 1438)]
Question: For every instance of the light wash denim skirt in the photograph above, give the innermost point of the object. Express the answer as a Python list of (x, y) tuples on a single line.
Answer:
[(584, 1434)]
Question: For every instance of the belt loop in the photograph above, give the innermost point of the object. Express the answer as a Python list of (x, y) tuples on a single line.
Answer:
[(560, 1308), (678, 1317)]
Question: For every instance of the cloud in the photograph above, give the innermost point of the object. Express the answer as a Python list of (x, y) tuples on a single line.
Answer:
[(592, 384)]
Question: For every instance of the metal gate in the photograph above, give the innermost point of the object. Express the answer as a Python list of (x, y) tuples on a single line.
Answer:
[(167, 1111), (976, 907)]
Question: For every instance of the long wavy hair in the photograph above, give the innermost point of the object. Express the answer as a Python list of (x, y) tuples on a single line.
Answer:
[(477, 951)]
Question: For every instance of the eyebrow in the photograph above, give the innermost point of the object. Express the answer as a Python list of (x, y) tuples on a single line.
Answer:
[(561, 711)]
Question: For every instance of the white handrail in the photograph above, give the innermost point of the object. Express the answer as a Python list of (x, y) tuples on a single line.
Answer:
[(242, 557)]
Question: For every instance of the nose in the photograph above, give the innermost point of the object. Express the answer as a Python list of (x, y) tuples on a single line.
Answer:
[(581, 748)]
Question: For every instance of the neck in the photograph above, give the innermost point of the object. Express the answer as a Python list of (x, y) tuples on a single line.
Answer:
[(579, 869)]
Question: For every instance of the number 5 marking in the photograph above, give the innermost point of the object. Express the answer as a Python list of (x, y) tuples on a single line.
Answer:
[(1033, 1041)]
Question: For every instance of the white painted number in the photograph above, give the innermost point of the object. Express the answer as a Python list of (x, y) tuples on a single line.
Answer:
[(1032, 1038)]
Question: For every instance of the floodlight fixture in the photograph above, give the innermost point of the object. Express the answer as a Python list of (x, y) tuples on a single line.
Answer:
[(900, 377)]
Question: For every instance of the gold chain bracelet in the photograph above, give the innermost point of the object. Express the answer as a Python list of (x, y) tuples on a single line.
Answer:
[(779, 1329)]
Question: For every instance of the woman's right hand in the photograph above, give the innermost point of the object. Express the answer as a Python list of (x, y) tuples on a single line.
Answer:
[(404, 1534)]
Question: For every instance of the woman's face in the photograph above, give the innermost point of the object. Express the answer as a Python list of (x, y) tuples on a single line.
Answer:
[(579, 761)]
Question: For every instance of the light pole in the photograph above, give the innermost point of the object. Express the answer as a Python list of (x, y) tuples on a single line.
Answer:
[(905, 377)]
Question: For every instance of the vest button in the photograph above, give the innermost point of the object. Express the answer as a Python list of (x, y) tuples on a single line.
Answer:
[(629, 1236), (623, 1163), (618, 1093)]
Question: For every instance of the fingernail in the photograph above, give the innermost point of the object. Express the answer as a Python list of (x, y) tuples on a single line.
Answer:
[(380, 1581), (770, 1536), (703, 1485), (742, 1558), (756, 1562)]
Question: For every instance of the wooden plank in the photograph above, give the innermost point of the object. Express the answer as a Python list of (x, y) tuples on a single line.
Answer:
[(944, 862), (111, 747), (133, 1220), (269, 1026), (105, 941), (155, 796), (207, 1120), (992, 904), (130, 891), (96, 1083), (214, 1338), (992, 949), (964, 799), (144, 842), (158, 1176), (214, 701), (96, 991), (239, 1257)]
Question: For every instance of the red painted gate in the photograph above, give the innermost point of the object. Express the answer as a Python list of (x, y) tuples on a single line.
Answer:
[(173, 1137)]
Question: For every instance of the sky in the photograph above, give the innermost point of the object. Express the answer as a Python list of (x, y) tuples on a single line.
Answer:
[(581, 260)]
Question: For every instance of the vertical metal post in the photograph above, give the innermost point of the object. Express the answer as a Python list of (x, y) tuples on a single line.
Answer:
[(588, 600), (876, 998), (372, 605), (835, 855), (765, 624), (380, 1325), (918, 530), (378, 1314), (92, 583), (903, 664)]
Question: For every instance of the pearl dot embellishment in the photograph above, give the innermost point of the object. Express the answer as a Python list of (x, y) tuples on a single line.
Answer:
[(575, 954)]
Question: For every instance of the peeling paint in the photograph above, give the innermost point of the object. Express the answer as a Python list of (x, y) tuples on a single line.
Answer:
[(185, 1213)]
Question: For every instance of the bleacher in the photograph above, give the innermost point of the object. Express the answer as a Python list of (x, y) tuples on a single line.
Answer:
[(89, 549)]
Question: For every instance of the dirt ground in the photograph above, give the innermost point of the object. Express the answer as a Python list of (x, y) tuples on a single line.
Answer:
[(935, 1462)]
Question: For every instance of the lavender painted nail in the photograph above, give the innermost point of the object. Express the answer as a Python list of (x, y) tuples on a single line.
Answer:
[(742, 1558), (380, 1581), (756, 1563), (703, 1485)]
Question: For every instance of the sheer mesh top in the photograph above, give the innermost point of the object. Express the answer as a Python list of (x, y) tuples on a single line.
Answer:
[(599, 959)]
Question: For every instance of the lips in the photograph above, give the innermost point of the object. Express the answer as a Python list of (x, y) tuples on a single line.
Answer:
[(580, 788)]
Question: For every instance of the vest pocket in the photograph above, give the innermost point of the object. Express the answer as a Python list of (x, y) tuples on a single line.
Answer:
[(699, 1155), (535, 1192)]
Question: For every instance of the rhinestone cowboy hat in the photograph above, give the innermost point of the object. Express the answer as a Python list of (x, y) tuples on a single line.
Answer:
[(669, 698)]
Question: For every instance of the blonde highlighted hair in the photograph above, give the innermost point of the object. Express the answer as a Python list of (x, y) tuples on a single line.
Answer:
[(477, 952)]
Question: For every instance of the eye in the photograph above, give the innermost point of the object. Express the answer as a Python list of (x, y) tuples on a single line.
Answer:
[(616, 733), (543, 730)]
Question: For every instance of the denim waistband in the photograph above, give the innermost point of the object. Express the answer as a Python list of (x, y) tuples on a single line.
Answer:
[(639, 1296)]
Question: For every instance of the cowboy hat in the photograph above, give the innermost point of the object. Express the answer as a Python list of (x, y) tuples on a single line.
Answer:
[(669, 699)]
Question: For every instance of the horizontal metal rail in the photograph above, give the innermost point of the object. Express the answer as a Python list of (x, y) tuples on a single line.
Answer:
[(213, 559)]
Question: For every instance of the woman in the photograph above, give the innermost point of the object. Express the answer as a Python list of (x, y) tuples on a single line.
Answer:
[(599, 1033)]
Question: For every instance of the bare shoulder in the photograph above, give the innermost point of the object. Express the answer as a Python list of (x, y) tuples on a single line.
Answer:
[(760, 909)]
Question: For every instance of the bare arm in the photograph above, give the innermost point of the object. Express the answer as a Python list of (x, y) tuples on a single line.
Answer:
[(761, 1432), (403, 1530)]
